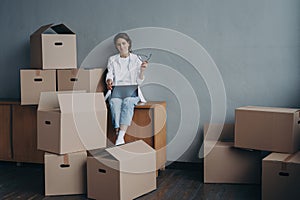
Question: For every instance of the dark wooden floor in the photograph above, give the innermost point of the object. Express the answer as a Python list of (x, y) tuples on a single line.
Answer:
[(179, 181)]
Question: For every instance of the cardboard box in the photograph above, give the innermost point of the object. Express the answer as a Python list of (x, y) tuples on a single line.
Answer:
[(226, 164), (266, 128), (281, 176), (123, 172), (33, 82), (65, 174), (91, 80), (219, 132), (53, 47), (71, 122)]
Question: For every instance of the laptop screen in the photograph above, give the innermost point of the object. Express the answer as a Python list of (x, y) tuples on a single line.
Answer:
[(123, 91)]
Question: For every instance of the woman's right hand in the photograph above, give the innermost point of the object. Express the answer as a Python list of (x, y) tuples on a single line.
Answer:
[(109, 84)]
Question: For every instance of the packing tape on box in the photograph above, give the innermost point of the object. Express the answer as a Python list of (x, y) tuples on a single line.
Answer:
[(38, 72), (66, 159), (74, 72), (284, 162)]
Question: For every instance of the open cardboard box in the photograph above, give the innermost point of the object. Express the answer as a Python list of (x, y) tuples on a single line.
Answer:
[(122, 172), (53, 47), (71, 121)]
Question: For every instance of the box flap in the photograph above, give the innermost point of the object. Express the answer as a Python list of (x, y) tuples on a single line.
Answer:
[(49, 100), (295, 158), (81, 102), (284, 157), (269, 109), (62, 29), (101, 155), (127, 154), (277, 157), (42, 29), (97, 152), (130, 150)]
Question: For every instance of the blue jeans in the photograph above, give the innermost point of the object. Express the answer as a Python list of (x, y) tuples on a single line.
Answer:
[(122, 110)]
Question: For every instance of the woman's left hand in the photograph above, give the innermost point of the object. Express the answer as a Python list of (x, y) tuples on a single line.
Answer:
[(144, 65)]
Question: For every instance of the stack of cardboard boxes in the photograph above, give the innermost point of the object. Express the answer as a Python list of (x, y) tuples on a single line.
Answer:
[(53, 61), (258, 130), (72, 121), (276, 130)]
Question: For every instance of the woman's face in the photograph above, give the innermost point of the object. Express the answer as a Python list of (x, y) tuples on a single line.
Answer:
[(122, 46)]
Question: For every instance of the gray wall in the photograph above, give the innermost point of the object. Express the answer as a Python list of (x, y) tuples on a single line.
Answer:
[(255, 44)]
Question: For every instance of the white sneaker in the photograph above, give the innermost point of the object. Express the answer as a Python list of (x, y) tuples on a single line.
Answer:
[(120, 140)]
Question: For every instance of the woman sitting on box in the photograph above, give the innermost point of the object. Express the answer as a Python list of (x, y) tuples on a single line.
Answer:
[(124, 68)]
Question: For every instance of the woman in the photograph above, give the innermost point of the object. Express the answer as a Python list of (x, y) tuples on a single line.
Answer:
[(124, 68)]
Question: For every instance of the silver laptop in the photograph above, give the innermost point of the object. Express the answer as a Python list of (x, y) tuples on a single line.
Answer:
[(123, 91)]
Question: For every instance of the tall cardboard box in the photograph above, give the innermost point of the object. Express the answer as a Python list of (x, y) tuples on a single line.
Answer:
[(267, 128), (227, 164), (281, 176), (53, 47), (65, 174), (122, 172), (91, 80), (33, 82), (71, 121)]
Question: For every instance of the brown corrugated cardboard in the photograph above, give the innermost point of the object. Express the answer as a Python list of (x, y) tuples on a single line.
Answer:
[(65, 174), (123, 172), (71, 121), (226, 164), (53, 47), (266, 128), (219, 132), (33, 82), (281, 176), (81, 79)]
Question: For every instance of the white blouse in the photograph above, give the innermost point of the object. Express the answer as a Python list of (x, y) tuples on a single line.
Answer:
[(125, 75)]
